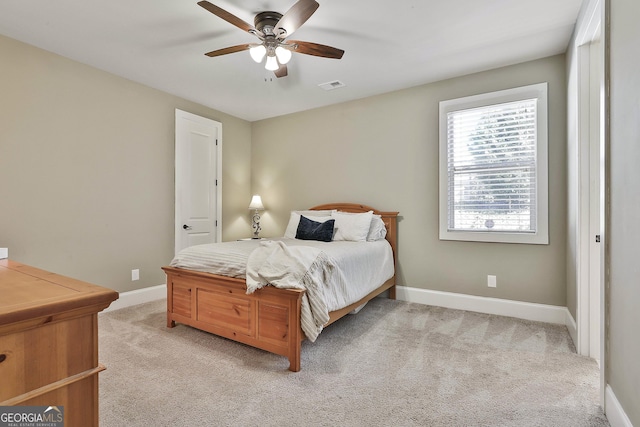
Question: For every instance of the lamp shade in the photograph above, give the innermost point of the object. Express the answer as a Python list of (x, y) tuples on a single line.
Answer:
[(283, 55), (256, 203), (271, 64), (257, 53)]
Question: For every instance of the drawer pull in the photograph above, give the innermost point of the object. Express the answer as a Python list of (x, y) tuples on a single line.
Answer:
[(3, 357)]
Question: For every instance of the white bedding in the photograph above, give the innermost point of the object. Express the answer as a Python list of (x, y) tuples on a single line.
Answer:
[(361, 267), (295, 267)]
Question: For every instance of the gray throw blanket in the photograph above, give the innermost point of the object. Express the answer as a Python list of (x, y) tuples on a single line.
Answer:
[(294, 267)]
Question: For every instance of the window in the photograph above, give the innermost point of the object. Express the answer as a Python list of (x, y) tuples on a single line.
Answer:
[(493, 167)]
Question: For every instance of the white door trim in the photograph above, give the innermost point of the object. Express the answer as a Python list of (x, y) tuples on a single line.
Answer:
[(583, 235), (592, 31)]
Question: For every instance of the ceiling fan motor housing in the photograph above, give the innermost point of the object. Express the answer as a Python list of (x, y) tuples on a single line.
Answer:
[(265, 22)]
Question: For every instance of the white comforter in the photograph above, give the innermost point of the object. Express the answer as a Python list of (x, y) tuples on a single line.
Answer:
[(350, 270)]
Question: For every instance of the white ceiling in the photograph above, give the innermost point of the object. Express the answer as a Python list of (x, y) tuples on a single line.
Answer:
[(388, 45)]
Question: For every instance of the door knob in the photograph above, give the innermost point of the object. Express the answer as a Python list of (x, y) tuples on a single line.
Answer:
[(186, 227)]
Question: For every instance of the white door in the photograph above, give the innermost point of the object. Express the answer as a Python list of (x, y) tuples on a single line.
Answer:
[(198, 180)]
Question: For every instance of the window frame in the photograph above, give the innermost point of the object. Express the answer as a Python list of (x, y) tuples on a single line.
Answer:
[(541, 235)]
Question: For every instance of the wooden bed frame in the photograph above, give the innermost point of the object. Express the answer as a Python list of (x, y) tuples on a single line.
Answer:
[(269, 318)]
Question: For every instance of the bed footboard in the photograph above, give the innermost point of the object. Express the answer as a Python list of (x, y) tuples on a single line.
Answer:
[(268, 319)]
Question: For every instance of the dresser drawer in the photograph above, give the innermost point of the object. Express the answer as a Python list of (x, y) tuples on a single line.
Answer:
[(37, 357)]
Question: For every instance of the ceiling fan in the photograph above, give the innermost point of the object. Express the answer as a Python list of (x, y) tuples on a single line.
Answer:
[(273, 28)]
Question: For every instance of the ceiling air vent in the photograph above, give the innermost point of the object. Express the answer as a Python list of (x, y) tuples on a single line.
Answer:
[(332, 85)]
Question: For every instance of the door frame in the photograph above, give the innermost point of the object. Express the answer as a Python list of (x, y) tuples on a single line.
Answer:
[(594, 30), (180, 114)]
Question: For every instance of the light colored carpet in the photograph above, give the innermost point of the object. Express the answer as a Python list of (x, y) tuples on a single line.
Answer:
[(393, 364)]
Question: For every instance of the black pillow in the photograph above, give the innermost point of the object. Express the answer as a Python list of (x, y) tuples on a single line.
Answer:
[(312, 230)]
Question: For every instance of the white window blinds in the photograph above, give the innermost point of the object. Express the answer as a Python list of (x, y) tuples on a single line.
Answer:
[(491, 158)]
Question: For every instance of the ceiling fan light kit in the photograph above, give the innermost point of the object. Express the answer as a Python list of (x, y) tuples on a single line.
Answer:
[(272, 28), (258, 52), (275, 57)]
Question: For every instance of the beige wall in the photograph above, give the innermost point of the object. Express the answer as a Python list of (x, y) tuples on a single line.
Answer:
[(623, 369), (86, 169), (383, 151), (90, 160)]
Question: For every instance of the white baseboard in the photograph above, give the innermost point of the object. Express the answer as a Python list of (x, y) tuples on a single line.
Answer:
[(139, 296), (518, 309), (613, 410), (502, 307), (572, 326)]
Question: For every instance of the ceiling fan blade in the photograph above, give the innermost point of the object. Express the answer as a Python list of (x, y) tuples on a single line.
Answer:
[(230, 18), (281, 72), (296, 16), (231, 49), (316, 49)]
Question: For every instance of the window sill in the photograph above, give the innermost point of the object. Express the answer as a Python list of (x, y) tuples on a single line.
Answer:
[(539, 238)]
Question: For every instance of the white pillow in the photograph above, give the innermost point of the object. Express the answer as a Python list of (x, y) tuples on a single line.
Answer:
[(377, 231), (294, 220), (352, 226)]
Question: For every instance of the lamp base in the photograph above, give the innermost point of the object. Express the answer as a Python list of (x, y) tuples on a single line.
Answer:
[(255, 224)]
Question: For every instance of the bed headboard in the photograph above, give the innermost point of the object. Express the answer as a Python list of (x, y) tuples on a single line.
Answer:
[(390, 219)]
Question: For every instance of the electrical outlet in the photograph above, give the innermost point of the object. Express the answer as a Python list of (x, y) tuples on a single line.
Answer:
[(135, 274), (492, 281)]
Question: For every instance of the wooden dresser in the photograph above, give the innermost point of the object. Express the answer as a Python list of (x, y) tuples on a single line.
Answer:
[(49, 341)]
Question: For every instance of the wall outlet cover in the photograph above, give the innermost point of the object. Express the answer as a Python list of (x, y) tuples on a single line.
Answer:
[(492, 281)]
